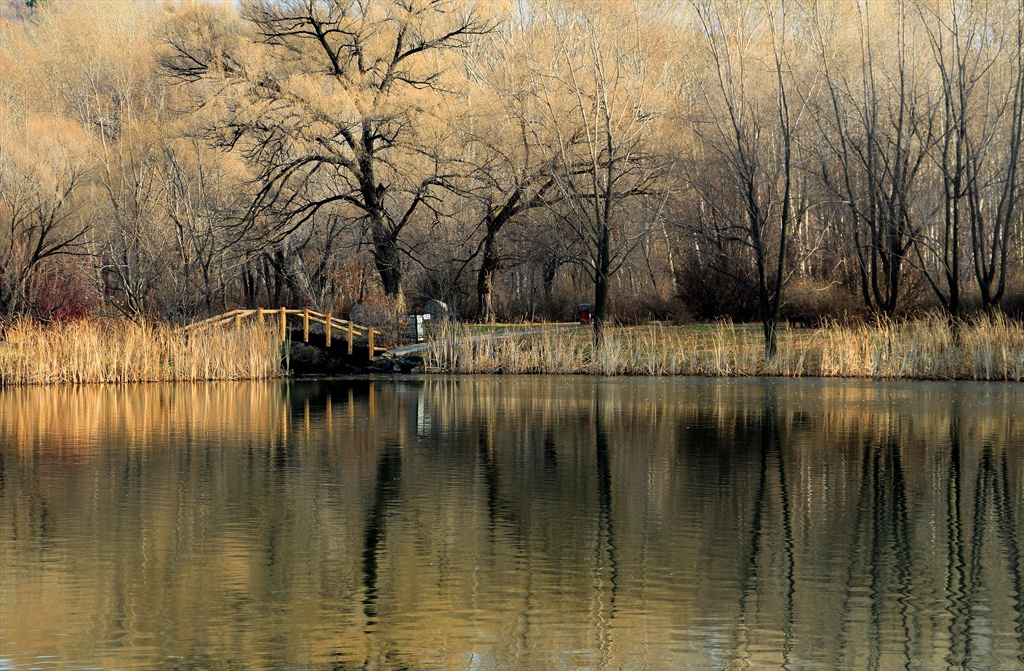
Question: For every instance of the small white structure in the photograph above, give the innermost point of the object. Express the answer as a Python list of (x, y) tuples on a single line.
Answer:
[(417, 331)]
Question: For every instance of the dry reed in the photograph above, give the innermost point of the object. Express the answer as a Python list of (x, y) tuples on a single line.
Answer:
[(926, 349), (121, 351)]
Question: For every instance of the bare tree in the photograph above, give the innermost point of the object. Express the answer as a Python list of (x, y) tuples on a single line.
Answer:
[(135, 240), (201, 199), (42, 212), (601, 98), (745, 124), (876, 131), (978, 52), (512, 154), (324, 99)]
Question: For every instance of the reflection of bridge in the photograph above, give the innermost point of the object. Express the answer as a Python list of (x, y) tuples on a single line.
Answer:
[(333, 326)]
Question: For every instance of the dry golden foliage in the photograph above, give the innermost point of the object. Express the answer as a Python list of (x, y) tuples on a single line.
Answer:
[(928, 349), (121, 351)]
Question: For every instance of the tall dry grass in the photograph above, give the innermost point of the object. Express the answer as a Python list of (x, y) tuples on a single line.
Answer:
[(926, 349), (123, 351)]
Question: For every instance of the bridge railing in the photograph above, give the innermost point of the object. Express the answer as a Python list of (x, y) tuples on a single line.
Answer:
[(351, 330)]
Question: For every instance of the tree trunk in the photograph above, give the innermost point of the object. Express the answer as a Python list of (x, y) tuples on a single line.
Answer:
[(550, 271), (489, 267), (766, 302), (602, 279), (387, 261)]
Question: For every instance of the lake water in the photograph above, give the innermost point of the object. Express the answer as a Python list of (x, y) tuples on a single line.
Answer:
[(513, 523)]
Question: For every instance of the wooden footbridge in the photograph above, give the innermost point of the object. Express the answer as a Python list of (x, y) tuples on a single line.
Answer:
[(333, 326)]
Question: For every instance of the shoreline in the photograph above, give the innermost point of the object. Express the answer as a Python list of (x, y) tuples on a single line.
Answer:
[(926, 349), (123, 352)]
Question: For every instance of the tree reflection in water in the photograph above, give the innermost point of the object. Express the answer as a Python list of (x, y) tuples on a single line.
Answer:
[(506, 522)]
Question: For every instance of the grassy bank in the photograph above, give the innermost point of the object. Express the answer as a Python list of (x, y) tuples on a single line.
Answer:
[(122, 351), (922, 350)]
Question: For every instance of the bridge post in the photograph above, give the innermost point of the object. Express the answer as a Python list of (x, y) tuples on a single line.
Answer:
[(305, 325), (284, 324), (350, 334), (369, 334), (238, 320), (259, 316), (327, 328)]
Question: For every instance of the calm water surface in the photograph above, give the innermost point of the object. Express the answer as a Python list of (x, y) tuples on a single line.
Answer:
[(513, 523)]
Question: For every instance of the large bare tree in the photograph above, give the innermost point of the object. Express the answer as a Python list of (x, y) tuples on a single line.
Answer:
[(744, 118), (512, 153), (877, 127), (600, 98), (325, 99), (43, 215), (978, 51)]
